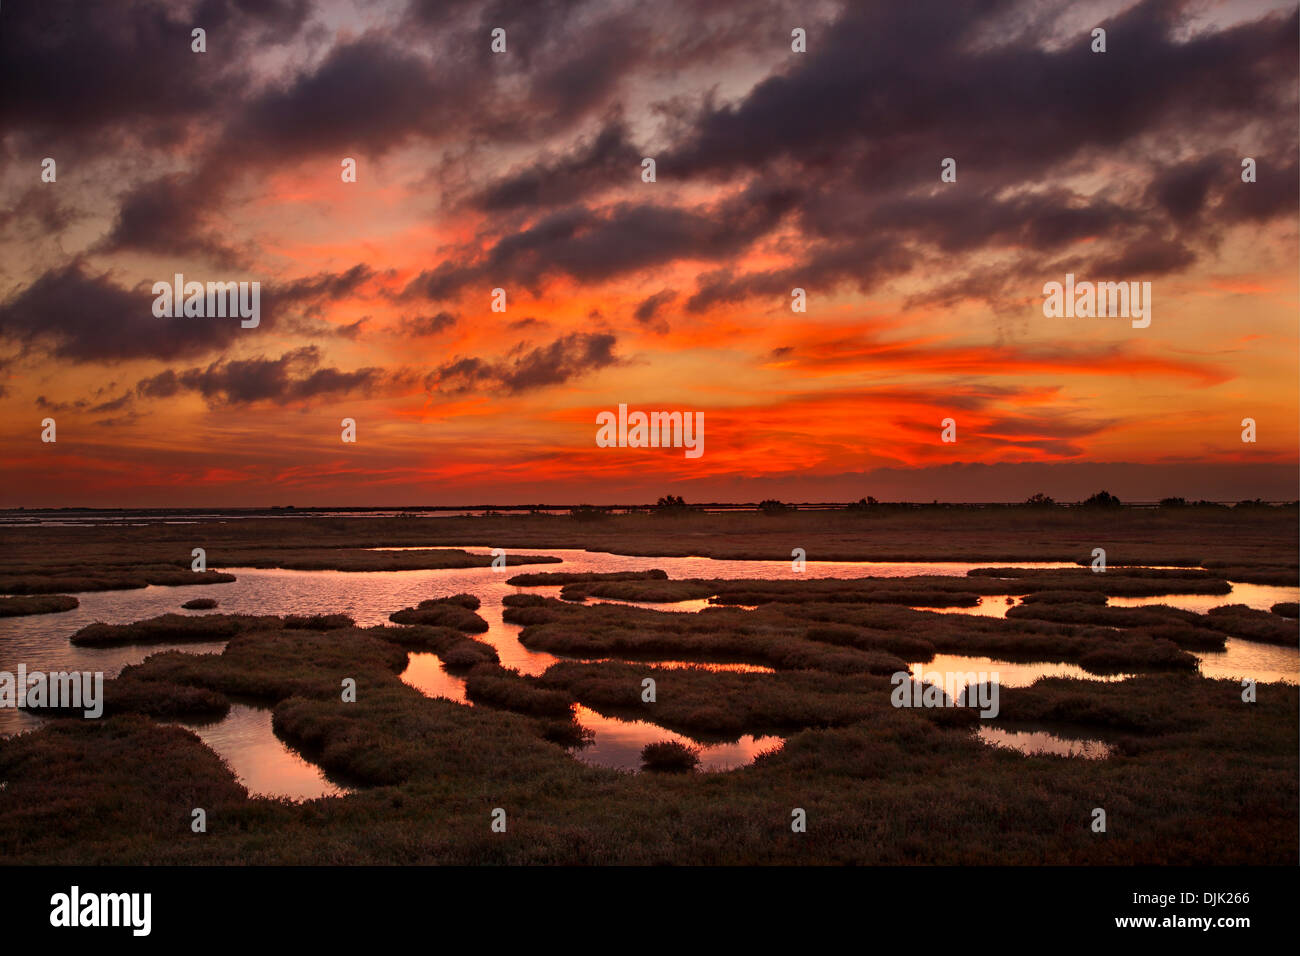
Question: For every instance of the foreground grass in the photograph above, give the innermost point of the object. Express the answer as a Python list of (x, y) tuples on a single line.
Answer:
[(1197, 775)]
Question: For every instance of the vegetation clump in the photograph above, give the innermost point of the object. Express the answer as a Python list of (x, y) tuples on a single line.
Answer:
[(669, 756), (36, 604), (454, 611)]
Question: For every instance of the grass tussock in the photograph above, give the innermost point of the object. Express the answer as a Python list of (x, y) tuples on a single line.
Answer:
[(190, 629), (76, 578), (270, 665), (450, 612), (453, 647), (199, 604), (723, 705), (508, 689), (162, 700), (1289, 609), (612, 630), (1238, 620), (670, 756), (36, 604)]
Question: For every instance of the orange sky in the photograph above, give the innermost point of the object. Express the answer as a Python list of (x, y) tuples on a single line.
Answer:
[(522, 171)]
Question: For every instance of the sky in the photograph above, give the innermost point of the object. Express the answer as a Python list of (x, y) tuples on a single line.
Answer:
[(523, 170)]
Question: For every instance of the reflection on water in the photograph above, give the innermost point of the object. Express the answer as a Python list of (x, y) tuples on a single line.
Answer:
[(1036, 742), (988, 606), (426, 674), (261, 761), (1260, 662), (1259, 596), (1009, 674), (618, 744), (716, 667), (267, 766)]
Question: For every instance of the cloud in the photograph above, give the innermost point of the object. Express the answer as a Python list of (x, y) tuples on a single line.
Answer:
[(647, 310), (295, 376), (596, 245), (564, 359), (421, 325), (74, 72), (76, 314)]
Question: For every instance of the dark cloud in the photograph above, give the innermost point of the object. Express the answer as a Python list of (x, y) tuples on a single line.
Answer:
[(73, 70), (419, 325), (38, 211), (597, 245), (647, 310), (295, 376), (169, 216), (366, 97), (566, 358), (607, 159), (78, 315)]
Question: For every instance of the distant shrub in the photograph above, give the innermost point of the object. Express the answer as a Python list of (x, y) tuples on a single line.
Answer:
[(671, 504), (1103, 499), (862, 504), (1040, 500)]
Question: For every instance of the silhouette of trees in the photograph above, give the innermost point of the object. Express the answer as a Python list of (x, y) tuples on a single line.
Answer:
[(1103, 499)]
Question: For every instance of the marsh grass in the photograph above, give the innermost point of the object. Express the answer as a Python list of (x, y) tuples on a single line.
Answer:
[(605, 630), (670, 756), (37, 604), (508, 689), (456, 650), (191, 629), (452, 612), (709, 705), (51, 580), (1196, 775), (160, 699), (1252, 624)]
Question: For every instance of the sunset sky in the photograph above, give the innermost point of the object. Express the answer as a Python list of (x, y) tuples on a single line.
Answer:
[(522, 170)]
